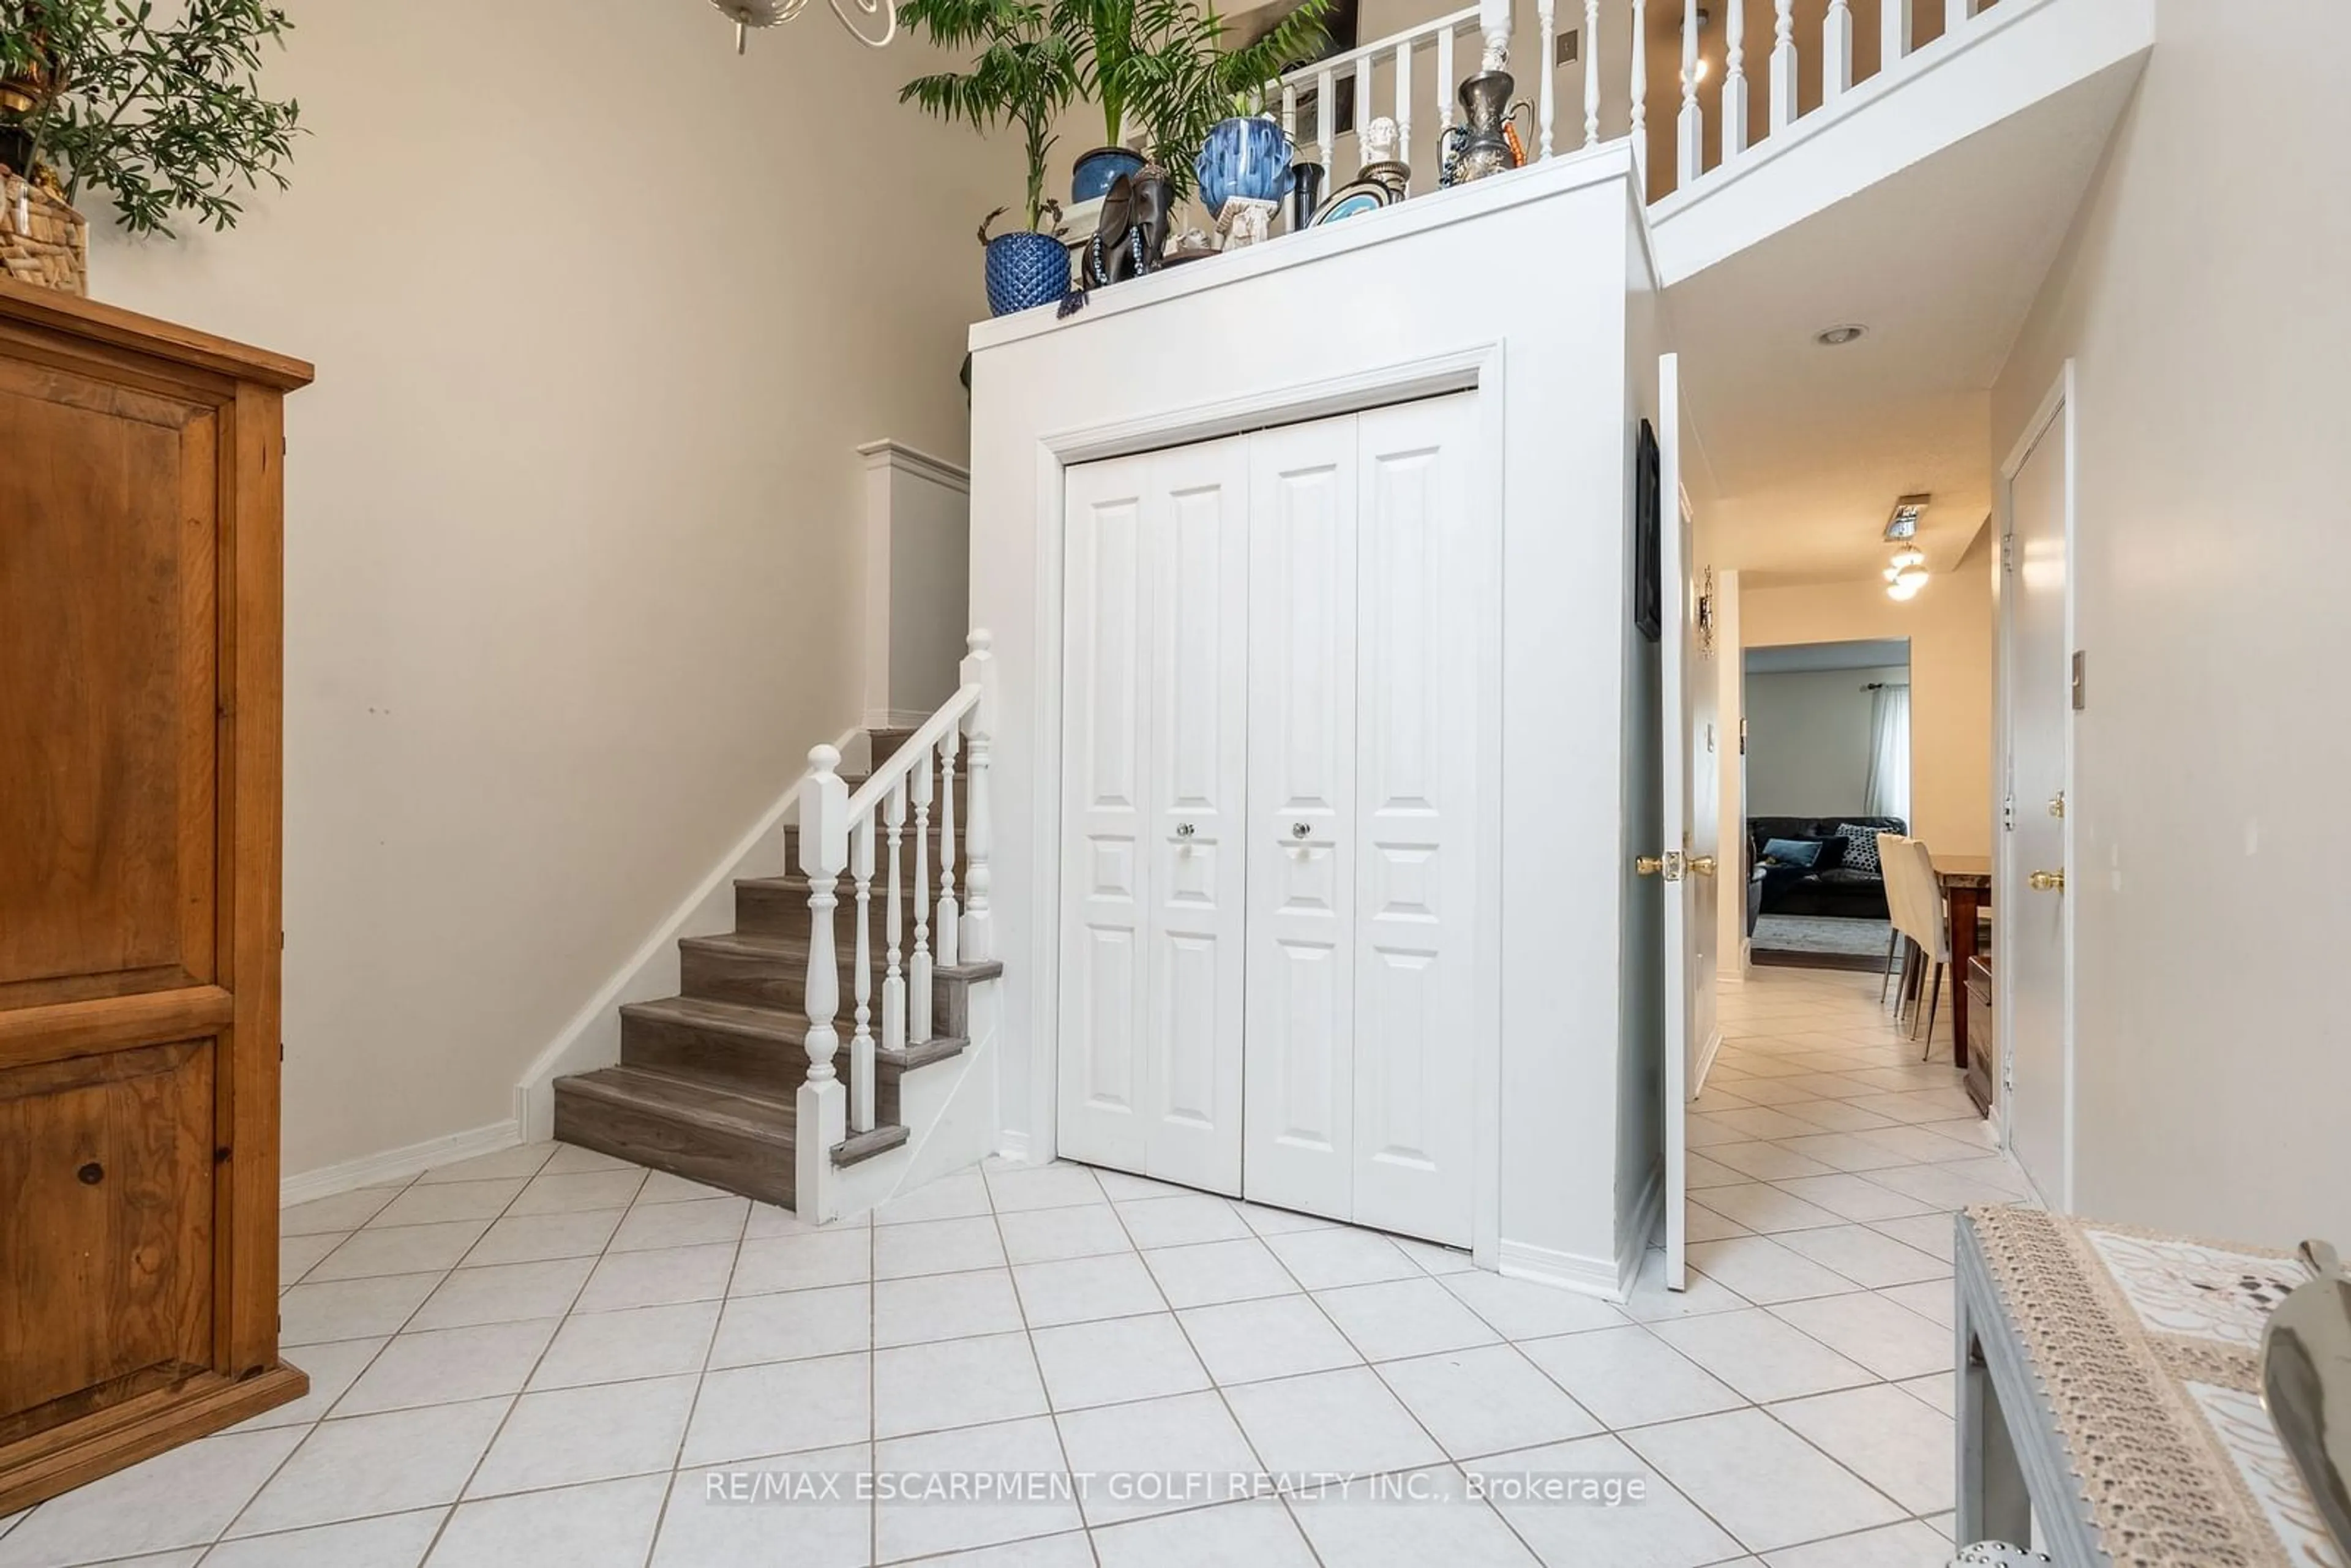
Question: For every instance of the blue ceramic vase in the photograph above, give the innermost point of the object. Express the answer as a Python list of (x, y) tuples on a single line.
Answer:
[(1026, 270), (1094, 170), (1243, 157)]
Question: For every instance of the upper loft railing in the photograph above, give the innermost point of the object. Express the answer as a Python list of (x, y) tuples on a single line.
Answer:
[(1677, 78)]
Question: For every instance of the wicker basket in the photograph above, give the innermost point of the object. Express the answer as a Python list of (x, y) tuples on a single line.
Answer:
[(42, 240)]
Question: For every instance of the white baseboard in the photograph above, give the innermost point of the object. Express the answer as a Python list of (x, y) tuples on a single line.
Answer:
[(592, 1038), (1706, 1061), (1567, 1270), (1633, 1237), (397, 1165), (1012, 1146)]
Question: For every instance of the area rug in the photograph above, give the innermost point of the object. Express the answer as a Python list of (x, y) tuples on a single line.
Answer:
[(1816, 937)]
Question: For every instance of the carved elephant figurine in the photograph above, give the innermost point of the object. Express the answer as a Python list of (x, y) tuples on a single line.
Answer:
[(1133, 233)]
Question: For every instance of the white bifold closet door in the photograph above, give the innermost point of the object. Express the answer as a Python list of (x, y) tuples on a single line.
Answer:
[(1155, 650), (1269, 858), (1368, 575)]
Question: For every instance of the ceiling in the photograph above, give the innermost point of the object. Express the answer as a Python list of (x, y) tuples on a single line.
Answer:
[(1808, 447), (1799, 658)]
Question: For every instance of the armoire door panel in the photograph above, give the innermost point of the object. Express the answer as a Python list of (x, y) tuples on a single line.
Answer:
[(1198, 520), (1301, 635), (106, 1220), (1104, 865), (109, 630), (1424, 607)]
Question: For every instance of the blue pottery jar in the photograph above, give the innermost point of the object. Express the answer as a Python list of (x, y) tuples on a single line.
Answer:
[(1243, 157), (1094, 173), (1026, 270)]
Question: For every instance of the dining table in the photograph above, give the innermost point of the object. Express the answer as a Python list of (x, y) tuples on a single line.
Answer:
[(1966, 882)]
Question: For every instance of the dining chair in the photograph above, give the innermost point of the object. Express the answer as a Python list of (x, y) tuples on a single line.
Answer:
[(1888, 855), (1922, 920)]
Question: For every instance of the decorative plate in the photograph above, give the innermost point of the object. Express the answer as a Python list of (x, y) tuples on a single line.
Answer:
[(1353, 200)]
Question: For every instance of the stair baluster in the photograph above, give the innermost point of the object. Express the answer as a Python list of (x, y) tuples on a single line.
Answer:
[(950, 912), (1690, 129), (1893, 35), (979, 829), (1783, 65), (1836, 50), (1590, 45), (861, 1037), (821, 1109), (1955, 12), (1547, 19), (1734, 83), (893, 927), (1446, 84), (1640, 84), (918, 968), (1326, 126), (1403, 86)]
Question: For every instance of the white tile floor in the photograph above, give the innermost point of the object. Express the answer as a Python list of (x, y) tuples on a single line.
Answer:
[(534, 1357)]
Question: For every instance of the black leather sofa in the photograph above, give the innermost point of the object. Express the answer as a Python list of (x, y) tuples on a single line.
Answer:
[(1828, 888)]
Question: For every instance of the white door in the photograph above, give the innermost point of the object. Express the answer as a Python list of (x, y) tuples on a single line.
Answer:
[(1425, 611), (1154, 768), (2032, 971), (1301, 835), (1684, 927)]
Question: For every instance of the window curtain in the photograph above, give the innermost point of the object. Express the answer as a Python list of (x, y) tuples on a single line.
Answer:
[(1889, 794)]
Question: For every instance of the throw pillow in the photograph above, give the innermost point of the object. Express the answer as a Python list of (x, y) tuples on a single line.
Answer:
[(1793, 852), (1861, 848)]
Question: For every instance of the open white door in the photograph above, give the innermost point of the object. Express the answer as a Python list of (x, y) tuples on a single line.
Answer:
[(2033, 931), (1684, 927)]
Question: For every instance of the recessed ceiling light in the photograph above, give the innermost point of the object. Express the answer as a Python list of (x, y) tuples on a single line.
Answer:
[(1838, 337)]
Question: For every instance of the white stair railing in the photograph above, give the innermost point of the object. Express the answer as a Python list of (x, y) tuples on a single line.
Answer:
[(841, 831), (1699, 42)]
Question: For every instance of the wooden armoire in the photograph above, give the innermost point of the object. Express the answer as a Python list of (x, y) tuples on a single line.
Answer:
[(141, 542)]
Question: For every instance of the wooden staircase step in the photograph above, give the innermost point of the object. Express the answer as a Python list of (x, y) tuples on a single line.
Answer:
[(743, 1143)]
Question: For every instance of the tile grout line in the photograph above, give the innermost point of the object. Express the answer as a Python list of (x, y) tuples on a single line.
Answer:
[(324, 1415)]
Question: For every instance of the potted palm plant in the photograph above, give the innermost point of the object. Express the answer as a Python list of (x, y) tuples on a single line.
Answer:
[(1108, 48), (1024, 75), (1170, 71)]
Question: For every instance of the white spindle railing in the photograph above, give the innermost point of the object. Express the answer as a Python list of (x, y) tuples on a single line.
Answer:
[(840, 833), (1396, 64), (1400, 56)]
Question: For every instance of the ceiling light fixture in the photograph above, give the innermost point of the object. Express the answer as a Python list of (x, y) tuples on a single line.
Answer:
[(1903, 524), (1911, 556), (749, 13), (1838, 337), (1906, 587)]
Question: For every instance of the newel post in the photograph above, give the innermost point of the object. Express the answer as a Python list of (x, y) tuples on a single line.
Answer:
[(823, 1106), (978, 917)]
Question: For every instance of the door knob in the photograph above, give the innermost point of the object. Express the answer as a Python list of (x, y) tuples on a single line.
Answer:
[(1184, 830), (2046, 882), (1299, 830), (1703, 865), (1648, 865)]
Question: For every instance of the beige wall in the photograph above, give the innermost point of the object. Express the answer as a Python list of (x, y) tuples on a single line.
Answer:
[(599, 312), (1949, 625), (2202, 299)]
